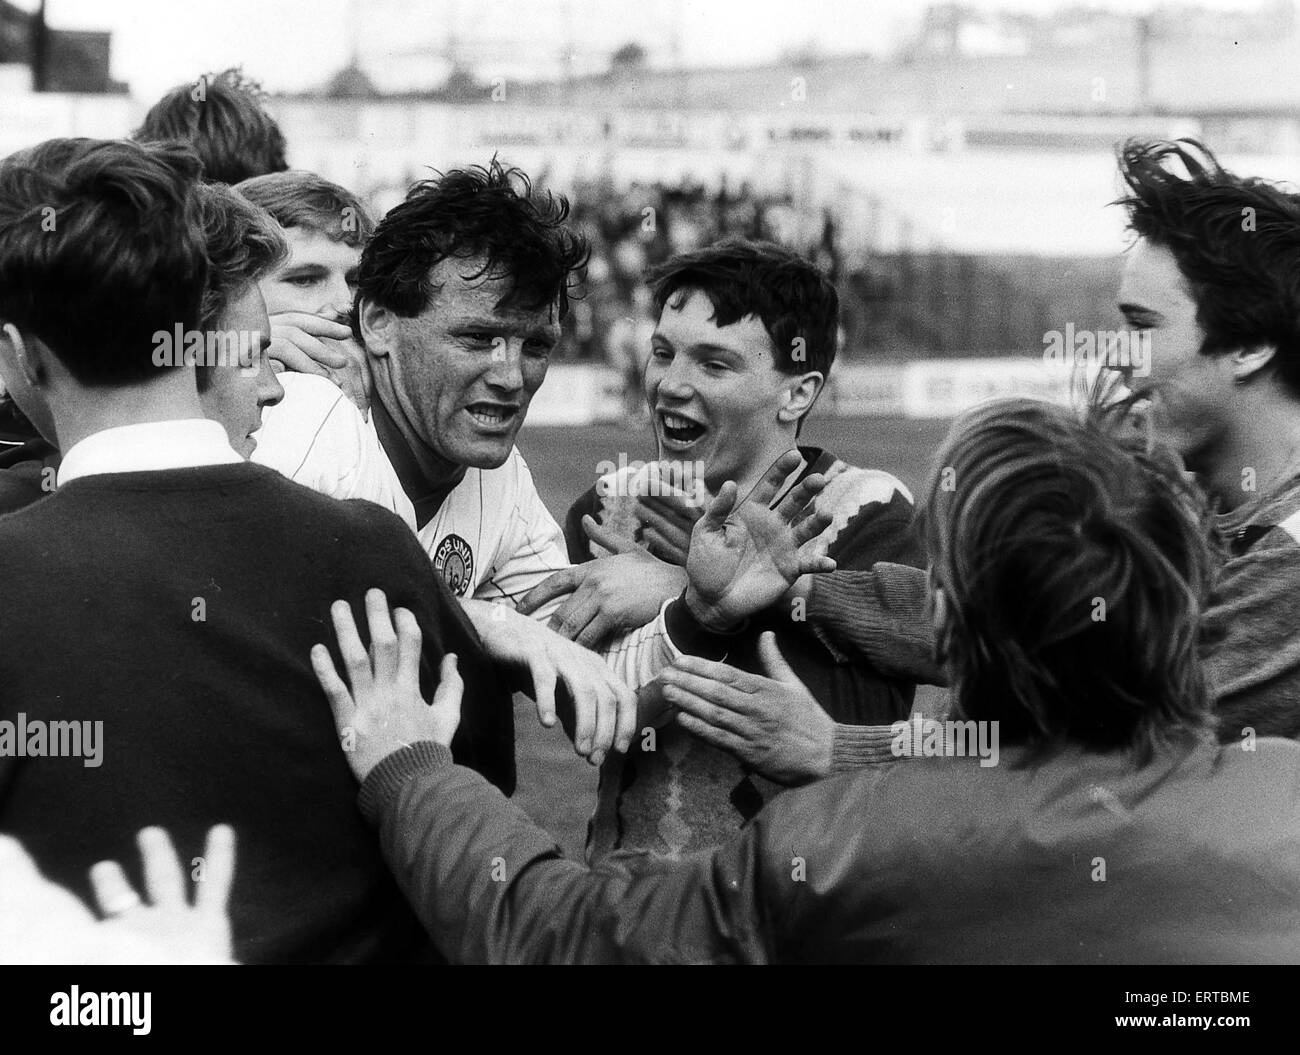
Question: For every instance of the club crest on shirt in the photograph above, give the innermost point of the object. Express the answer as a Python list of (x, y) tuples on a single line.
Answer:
[(454, 561)]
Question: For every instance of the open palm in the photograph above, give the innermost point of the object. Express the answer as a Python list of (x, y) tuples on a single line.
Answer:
[(745, 555)]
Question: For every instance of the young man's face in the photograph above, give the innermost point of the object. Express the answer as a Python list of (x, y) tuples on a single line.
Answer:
[(713, 391), (464, 370), (319, 277), (1190, 393), (236, 394)]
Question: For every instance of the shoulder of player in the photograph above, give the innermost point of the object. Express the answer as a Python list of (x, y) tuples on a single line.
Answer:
[(852, 491)]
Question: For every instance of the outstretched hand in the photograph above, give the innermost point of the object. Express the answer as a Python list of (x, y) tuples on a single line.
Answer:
[(772, 724), (384, 710), (183, 933), (744, 554)]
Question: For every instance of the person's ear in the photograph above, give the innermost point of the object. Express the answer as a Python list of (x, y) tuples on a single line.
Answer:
[(1246, 363), (800, 396), (378, 328), (30, 356)]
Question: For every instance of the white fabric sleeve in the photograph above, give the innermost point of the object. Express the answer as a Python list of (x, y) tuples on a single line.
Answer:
[(316, 437)]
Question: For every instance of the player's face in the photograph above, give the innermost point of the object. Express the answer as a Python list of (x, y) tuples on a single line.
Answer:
[(464, 370), (236, 395), (319, 277), (1189, 392), (713, 391)]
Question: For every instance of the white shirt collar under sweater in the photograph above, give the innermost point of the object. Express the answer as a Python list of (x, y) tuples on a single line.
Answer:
[(148, 447)]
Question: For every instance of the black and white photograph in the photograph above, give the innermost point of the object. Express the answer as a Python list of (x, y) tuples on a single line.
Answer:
[(609, 482)]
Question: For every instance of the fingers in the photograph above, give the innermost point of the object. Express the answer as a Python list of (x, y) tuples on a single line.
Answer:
[(311, 323), (585, 706), (669, 510), (336, 692), (774, 663), (353, 381), (607, 709), (213, 893), (812, 525), (625, 729), (705, 710), (766, 488), (164, 880), (383, 638), (664, 550), (671, 530), (410, 645), (356, 663), (447, 700), (113, 892), (604, 536), (574, 615), (812, 561), (564, 581), (598, 628), (801, 494), (709, 669), (304, 353), (723, 739), (720, 508), (544, 691)]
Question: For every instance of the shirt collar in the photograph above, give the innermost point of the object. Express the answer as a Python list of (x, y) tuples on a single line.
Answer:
[(148, 447)]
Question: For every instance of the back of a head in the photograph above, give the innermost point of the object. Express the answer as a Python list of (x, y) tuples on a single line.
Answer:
[(242, 244), (1074, 566), (101, 246), (295, 198), (794, 300), (1236, 240), (222, 117), (493, 214)]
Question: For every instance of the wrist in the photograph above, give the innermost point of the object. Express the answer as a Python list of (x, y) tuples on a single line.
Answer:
[(708, 616)]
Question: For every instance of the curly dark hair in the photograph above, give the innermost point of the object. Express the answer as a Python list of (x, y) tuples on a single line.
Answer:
[(223, 117), (1075, 562), (490, 213), (1236, 240)]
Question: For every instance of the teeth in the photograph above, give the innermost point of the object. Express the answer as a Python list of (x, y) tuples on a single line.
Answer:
[(488, 417), (674, 422)]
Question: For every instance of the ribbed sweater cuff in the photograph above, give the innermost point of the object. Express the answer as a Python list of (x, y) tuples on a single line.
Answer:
[(386, 780), (855, 746), (689, 637)]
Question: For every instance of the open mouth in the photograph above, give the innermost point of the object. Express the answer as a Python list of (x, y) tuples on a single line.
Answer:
[(492, 415), (680, 430)]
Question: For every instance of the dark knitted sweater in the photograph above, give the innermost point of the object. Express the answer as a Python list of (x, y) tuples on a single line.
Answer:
[(179, 608)]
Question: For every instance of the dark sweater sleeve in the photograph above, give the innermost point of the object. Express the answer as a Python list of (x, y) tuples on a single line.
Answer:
[(878, 615), (492, 887)]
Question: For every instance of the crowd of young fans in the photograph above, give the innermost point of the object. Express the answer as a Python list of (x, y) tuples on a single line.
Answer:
[(253, 571)]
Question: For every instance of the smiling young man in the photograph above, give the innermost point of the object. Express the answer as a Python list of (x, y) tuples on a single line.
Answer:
[(745, 340)]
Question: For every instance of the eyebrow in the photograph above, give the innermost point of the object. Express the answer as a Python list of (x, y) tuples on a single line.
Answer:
[(306, 268), (705, 348), (1136, 312), (497, 325)]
